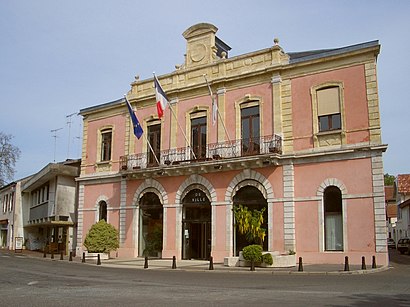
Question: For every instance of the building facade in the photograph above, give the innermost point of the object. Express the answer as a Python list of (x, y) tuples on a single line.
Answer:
[(49, 206), (296, 135), (403, 206)]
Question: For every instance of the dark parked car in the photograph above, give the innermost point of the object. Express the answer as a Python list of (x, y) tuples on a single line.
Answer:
[(403, 245), (391, 243)]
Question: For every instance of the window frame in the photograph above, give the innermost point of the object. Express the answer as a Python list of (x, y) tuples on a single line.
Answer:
[(317, 132)]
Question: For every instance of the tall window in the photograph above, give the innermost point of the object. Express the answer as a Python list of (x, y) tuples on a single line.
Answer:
[(198, 136), (106, 141), (328, 101), (154, 137), (250, 126), (333, 216), (102, 211)]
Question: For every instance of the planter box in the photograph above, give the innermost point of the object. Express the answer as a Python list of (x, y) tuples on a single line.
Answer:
[(279, 261), (103, 256)]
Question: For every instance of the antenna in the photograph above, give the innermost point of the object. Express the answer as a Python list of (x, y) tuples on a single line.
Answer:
[(55, 140), (69, 132)]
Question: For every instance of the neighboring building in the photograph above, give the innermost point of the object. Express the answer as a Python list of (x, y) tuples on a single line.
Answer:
[(298, 134), (403, 202), (49, 201), (391, 210), (11, 222)]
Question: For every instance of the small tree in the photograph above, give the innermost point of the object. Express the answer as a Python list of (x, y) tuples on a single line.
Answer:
[(249, 223), (389, 179), (102, 238)]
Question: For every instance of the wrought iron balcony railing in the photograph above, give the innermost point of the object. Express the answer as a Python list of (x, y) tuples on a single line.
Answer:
[(222, 150)]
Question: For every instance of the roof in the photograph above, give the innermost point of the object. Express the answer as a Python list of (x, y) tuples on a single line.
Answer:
[(389, 194), (302, 56), (405, 204), (403, 184)]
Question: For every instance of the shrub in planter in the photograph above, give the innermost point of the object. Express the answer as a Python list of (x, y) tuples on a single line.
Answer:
[(102, 238), (252, 253), (267, 259)]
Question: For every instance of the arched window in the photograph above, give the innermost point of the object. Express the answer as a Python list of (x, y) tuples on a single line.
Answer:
[(333, 217), (102, 211)]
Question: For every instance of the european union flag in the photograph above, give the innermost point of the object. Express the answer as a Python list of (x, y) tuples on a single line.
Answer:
[(135, 123)]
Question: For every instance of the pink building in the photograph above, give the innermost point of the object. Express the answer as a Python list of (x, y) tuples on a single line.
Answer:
[(297, 133)]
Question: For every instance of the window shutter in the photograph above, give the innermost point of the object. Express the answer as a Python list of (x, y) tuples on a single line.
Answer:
[(328, 101)]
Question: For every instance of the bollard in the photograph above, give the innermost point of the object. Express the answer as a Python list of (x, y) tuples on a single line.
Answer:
[(83, 259), (45, 254), (71, 257), (61, 256), (146, 263), (363, 263), (174, 262), (374, 262), (346, 263), (211, 263), (52, 255), (300, 269), (98, 259)]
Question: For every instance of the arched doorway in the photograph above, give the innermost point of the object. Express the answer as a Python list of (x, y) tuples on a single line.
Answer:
[(151, 229), (196, 225), (253, 199)]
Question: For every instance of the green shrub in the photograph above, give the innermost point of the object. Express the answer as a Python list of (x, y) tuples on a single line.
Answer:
[(252, 253), (267, 258), (102, 238)]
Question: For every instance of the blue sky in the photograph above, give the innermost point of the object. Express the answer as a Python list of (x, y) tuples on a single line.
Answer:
[(57, 57)]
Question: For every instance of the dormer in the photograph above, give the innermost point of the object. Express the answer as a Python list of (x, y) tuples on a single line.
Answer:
[(203, 47)]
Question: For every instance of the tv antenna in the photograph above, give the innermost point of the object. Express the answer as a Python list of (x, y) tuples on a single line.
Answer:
[(69, 132), (55, 140)]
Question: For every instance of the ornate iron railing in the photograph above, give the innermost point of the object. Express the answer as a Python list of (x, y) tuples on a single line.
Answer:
[(221, 150)]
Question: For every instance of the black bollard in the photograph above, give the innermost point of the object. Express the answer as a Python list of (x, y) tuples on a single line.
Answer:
[(300, 269), (52, 255), (61, 256), (45, 254), (374, 262), (346, 263), (211, 263), (146, 263), (71, 257), (98, 259), (83, 259), (174, 262), (363, 263)]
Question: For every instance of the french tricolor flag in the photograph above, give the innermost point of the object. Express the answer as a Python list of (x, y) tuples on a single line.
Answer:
[(162, 100)]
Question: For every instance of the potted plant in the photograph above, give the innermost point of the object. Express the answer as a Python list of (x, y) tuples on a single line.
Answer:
[(102, 238)]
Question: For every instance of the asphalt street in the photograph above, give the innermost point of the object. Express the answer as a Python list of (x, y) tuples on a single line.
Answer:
[(34, 281)]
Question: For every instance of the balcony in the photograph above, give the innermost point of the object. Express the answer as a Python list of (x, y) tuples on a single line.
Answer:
[(216, 152)]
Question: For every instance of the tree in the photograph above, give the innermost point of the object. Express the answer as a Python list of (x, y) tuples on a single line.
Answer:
[(102, 238), (9, 154), (389, 179), (249, 223)]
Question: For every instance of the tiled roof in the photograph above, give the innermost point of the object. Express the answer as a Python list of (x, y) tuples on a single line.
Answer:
[(403, 184), (405, 204), (389, 194)]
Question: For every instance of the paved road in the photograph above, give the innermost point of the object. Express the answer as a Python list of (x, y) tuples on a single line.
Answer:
[(27, 281)]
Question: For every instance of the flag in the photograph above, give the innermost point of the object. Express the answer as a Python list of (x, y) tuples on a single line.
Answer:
[(135, 123), (162, 100), (214, 111)]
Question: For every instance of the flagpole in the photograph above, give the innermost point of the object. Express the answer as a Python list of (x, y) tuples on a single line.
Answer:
[(145, 137), (219, 114), (179, 125)]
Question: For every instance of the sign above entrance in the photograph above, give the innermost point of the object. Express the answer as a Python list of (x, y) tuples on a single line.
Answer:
[(196, 197)]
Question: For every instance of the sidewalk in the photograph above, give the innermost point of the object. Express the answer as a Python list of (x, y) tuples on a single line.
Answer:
[(202, 265)]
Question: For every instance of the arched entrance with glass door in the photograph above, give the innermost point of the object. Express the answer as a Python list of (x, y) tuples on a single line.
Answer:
[(253, 199), (150, 225), (196, 225)]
